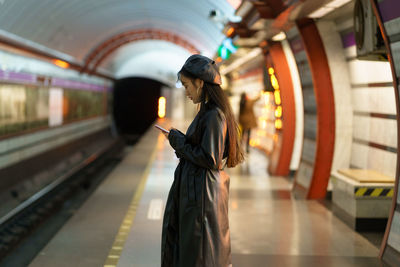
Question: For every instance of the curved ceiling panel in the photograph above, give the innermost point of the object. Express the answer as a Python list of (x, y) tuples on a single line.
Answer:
[(75, 27), (96, 57), (154, 59)]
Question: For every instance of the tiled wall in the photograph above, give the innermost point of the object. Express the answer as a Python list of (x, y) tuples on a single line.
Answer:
[(342, 93), (374, 141), (390, 14), (306, 165)]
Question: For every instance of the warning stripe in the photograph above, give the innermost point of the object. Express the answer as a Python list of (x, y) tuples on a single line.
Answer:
[(373, 192), (122, 235)]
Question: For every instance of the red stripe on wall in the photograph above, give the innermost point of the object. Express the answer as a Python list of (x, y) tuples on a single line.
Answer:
[(283, 152), (385, 253), (323, 90)]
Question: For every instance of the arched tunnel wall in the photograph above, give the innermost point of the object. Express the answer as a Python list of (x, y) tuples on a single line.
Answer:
[(365, 108), (388, 15), (135, 105)]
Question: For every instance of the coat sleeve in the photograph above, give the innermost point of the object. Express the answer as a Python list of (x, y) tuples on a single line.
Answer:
[(208, 154)]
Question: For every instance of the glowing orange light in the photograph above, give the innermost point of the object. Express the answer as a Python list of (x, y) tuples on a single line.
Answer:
[(230, 31), (263, 43), (278, 124), (266, 97), (161, 107), (275, 137), (277, 95), (278, 111), (219, 59), (271, 71), (263, 125), (60, 63), (254, 142), (274, 82)]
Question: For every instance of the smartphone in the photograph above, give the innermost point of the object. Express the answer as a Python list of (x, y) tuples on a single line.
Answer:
[(161, 128)]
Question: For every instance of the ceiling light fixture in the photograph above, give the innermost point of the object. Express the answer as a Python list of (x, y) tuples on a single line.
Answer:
[(279, 37), (329, 7)]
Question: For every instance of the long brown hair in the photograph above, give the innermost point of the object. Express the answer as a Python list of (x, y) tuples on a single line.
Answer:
[(214, 94)]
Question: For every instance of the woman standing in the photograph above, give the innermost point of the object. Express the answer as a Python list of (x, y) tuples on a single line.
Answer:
[(195, 226)]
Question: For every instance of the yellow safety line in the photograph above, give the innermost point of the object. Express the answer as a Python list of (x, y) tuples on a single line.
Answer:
[(119, 242)]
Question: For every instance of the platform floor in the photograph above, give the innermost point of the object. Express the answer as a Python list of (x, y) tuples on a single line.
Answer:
[(120, 224)]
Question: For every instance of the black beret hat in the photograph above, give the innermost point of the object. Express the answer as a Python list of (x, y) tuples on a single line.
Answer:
[(203, 68)]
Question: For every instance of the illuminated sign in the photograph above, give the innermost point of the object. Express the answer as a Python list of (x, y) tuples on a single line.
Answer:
[(227, 48)]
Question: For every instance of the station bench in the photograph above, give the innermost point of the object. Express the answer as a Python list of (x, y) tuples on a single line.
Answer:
[(362, 198)]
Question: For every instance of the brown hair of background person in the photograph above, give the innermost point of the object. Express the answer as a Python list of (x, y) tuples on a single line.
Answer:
[(196, 225), (247, 119)]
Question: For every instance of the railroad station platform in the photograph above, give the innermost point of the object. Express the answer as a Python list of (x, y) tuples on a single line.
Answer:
[(120, 224)]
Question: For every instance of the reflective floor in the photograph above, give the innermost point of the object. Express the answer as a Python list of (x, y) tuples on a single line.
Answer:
[(268, 226), (271, 228)]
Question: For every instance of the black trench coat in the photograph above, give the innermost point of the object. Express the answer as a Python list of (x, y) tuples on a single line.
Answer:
[(195, 225)]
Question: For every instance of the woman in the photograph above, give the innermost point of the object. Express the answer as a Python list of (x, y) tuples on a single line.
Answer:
[(247, 119), (195, 226)]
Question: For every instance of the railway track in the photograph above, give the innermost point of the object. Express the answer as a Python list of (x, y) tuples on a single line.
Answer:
[(18, 224)]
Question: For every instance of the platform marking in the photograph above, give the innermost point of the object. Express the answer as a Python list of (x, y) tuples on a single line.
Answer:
[(361, 191), (127, 222), (155, 209), (373, 192), (113, 256), (376, 192)]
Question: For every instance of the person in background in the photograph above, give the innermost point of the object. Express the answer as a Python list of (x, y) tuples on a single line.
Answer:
[(247, 119)]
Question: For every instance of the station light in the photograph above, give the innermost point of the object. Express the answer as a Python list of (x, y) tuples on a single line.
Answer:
[(263, 44), (278, 124), (271, 71), (254, 142), (161, 107), (274, 82), (264, 124), (279, 37), (60, 63), (327, 8), (278, 112), (277, 98), (277, 95), (266, 96), (230, 31)]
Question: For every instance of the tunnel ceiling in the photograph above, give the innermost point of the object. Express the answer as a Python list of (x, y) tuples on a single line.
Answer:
[(77, 27)]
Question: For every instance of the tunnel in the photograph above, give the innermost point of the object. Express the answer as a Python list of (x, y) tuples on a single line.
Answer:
[(135, 104)]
